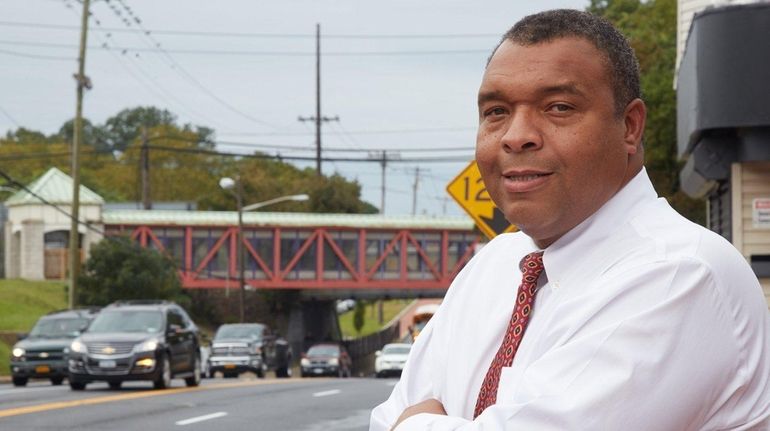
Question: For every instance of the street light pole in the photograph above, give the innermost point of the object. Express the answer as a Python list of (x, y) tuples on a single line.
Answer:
[(237, 184), (241, 263)]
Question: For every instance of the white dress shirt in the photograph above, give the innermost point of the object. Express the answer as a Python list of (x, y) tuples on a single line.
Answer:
[(645, 321)]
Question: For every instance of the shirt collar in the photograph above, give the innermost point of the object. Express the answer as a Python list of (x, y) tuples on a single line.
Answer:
[(562, 254)]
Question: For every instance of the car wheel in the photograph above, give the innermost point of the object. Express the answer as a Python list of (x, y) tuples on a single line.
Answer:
[(195, 380), (164, 376), (20, 381), (56, 381), (260, 372), (115, 385), (76, 385)]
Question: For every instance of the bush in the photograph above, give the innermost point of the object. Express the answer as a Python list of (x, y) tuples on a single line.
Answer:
[(119, 269)]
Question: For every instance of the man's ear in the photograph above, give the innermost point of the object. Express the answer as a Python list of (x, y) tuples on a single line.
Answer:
[(635, 117)]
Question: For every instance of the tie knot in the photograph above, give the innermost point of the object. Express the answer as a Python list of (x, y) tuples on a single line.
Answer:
[(532, 264)]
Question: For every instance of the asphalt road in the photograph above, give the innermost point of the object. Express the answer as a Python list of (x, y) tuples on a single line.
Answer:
[(218, 404)]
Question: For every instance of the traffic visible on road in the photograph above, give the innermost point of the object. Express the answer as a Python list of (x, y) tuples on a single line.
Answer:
[(246, 403)]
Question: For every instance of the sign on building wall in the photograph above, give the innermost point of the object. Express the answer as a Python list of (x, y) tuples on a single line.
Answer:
[(760, 209)]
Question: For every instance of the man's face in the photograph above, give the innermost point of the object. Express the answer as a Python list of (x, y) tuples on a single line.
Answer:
[(550, 147)]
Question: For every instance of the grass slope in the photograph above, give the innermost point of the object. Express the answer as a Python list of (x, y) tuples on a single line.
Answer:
[(390, 308), (21, 304)]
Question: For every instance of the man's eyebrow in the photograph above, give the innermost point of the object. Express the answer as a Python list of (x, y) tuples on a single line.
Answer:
[(485, 96), (568, 88)]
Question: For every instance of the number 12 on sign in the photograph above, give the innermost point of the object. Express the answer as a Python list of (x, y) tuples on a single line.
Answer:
[(468, 190)]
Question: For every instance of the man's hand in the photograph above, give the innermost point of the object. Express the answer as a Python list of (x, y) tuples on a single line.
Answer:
[(428, 406)]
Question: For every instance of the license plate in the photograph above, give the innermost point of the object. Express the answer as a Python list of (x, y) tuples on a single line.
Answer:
[(42, 369), (107, 364), (318, 371), (229, 366)]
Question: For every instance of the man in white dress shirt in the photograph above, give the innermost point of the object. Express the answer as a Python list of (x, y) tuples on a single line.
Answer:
[(641, 320)]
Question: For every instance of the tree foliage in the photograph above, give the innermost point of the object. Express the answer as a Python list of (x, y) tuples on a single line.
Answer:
[(120, 269), (182, 165), (651, 28), (359, 316)]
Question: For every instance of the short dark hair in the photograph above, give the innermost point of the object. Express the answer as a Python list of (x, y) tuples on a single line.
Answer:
[(622, 64)]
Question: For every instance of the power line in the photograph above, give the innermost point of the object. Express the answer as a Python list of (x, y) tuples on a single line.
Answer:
[(18, 184), (359, 149), (359, 132), (178, 67), (7, 115), (260, 35), (36, 56), (309, 158), (254, 53)]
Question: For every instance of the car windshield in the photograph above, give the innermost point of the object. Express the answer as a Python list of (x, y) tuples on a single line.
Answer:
[(396, 350), (324, 350), (128, 321), (59, 327), (239, 331)]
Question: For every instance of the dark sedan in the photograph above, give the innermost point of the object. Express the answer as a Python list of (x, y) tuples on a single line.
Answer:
[(326, 359)]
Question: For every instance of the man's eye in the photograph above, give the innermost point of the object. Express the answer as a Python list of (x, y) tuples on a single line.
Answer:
[(559, 107), (494, 111)]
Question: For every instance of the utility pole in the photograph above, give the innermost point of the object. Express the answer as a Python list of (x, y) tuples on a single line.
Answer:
[(383, 157), (414, 190), (318, 118), (82, 83), (146, 202)]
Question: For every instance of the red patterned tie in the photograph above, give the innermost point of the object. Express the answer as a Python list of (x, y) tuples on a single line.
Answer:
[(531, 269)]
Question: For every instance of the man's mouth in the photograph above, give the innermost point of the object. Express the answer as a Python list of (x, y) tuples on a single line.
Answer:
[(523, 178)]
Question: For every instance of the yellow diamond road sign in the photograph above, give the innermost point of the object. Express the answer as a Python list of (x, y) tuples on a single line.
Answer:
[(469, 191)]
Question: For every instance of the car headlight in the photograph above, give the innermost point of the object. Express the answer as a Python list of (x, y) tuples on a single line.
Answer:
[(256, 349), (78, 346), (334, 361), (18, 352), (147, 345), (305, 362)]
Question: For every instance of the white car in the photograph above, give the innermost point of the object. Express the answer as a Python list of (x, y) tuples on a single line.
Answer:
[(391, 359)]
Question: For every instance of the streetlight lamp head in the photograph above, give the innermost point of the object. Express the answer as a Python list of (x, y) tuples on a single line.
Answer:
[(227, 183), (302, 197)]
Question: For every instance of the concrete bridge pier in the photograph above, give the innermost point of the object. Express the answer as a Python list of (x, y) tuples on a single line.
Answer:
[(312, 321)]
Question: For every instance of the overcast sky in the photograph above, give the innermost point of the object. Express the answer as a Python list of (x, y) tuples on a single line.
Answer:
[(401, 75)]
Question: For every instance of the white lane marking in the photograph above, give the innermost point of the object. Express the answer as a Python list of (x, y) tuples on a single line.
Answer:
[(327, 393), (201, 418)]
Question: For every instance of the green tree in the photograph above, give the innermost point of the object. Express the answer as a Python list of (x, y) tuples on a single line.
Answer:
[(651, 28), (94, 137), (183, 165), (121, 269), (359, 315), (125, 127)]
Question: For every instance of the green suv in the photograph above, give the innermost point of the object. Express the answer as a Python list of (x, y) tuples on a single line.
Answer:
[(43, 352)]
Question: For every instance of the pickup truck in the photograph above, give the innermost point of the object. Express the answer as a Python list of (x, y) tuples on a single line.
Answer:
[(242, 347)]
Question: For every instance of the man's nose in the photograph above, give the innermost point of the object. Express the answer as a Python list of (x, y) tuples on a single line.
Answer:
[(523, 133)]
